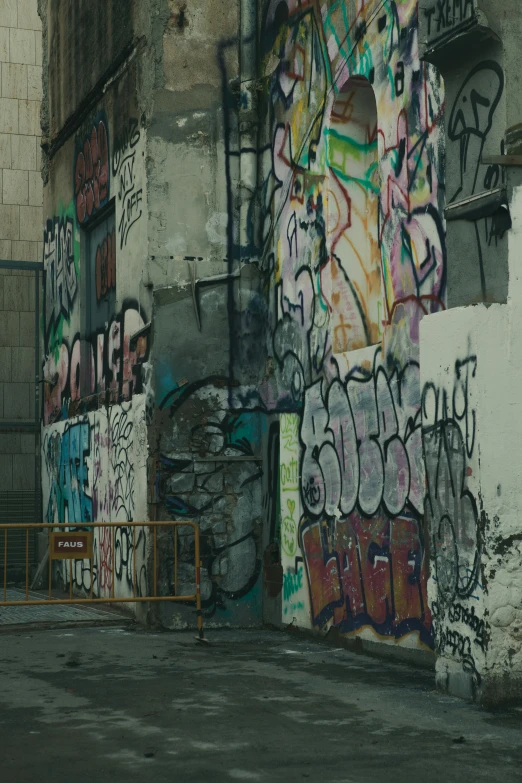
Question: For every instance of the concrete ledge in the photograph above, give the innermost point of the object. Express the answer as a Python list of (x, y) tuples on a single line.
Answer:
[(419, 658), (457, 683), (501, 690)]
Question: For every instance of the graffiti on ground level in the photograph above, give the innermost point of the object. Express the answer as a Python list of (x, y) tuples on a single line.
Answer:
[(367, 573), (353, 194), (449, 436), (94, 469)]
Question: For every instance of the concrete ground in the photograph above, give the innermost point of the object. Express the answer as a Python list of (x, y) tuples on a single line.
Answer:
[(116, 704), (52, 615)]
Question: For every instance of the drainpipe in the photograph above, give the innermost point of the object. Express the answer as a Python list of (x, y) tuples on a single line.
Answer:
[(248, 125)]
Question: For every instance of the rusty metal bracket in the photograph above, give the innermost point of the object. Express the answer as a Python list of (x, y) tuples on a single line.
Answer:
[(502, 160), (196, 282)]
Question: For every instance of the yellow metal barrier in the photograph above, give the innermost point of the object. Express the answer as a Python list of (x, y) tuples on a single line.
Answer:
[(66, 539)]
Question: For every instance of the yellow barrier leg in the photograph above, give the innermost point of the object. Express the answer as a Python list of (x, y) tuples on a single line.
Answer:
[(199, 613)]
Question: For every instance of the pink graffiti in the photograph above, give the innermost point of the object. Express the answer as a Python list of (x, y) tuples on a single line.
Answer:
[(91, 176), (105, 560), (111, 366)]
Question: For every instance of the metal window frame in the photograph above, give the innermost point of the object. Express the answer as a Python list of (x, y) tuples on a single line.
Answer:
[(30, 425)]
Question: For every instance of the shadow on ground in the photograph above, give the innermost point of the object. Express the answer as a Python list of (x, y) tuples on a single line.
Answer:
[(111, 704)]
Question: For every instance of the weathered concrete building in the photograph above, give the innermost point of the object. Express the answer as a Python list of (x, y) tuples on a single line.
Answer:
[(141, 245), (258, 215)]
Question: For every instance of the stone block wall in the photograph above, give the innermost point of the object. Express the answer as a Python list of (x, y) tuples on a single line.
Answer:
[(17, 373), (20, 98), (20, 240)]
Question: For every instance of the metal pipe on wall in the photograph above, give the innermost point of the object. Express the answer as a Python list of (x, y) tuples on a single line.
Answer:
[(248, 123)]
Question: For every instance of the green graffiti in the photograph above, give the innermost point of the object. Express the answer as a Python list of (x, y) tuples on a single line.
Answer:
[(54, 331), (342, 148), (289, 530), (292, 583)]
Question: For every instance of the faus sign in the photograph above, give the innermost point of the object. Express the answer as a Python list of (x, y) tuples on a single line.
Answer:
[(71, 545)]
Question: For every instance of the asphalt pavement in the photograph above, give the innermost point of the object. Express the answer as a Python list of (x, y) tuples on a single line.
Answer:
[(122, 704)]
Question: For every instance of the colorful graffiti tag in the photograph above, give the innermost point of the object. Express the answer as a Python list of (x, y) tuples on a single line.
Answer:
[(94, 469), (106, 265), (452, 515), (92, 170), (61, 255), (114, 365), (356, 246)]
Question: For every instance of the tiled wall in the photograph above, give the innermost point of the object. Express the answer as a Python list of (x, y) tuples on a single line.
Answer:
[(17, 376), (21, 224), (21, 92)]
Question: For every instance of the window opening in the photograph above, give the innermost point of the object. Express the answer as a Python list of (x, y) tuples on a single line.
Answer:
[(353, 187)]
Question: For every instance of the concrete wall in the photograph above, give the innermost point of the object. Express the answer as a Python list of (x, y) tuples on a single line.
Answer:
[(97, 170), (86, 44), (208, 328), (470, 367), (163, 116), (94, 467), (355, 245), (280, 258), (452, 373), (473, 460), (94, 438), (469, 55), (290, 282)]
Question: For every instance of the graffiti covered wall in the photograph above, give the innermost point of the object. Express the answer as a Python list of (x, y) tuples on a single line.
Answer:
[(469, 364), (90, 310), (207, 424), (322, 329), (129, 313), (211, 473), (94, 468), (95, 341), (355, 243), (475, 79), (250, 258), (451, 425)]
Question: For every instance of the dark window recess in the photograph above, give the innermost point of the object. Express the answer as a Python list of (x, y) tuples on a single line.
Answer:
[(101, 273), (18, 507)]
